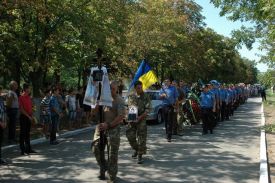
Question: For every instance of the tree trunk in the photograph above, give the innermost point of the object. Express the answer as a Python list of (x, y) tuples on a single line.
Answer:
[(85, 74), (57, 76), (79, 74), (161, 73), (37, 81), (17, 70)]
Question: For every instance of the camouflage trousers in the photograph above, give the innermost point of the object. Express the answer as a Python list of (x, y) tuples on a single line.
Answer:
[(137, 135), (113, 141)]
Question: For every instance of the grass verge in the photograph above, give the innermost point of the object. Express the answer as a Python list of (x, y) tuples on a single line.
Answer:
[(269, 108)]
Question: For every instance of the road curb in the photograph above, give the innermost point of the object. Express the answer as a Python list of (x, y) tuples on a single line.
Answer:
[(264, 177), (43, 140)]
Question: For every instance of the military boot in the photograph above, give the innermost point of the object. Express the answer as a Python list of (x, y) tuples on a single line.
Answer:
[(134, 155), (101, 175), (111, 179), (140, 159)]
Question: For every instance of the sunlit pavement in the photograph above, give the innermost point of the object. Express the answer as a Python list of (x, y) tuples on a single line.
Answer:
[(231, 154)]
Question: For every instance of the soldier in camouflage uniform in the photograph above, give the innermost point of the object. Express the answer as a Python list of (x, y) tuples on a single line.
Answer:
[(113, 117), (137, 131)]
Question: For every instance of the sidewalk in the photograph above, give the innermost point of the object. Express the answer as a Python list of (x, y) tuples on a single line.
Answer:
[(229, 155)]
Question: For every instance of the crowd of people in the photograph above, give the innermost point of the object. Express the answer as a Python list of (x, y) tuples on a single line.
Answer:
[(17, 106), (216, 102)]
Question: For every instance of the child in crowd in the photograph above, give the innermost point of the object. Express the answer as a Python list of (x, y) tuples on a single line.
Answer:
[(45, 116)]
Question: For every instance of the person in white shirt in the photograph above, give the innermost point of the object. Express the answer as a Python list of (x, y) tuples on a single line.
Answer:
[(72, 107), (12, 110)]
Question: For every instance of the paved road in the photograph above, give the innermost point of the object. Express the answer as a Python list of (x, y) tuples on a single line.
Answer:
[(231, 154)]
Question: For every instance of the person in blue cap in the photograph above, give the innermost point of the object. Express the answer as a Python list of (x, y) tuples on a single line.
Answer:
[(214, 88), (227, 101), (224, 101), (169, 95), (208, 106), (233, 99)]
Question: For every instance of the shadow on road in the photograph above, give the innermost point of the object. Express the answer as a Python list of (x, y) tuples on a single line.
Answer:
[(228, 155)]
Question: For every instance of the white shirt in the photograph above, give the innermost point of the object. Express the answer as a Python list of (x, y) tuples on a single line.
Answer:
[(71, 101), (15, 103)]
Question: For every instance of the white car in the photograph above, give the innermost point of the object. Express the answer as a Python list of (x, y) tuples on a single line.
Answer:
[(156, 104)]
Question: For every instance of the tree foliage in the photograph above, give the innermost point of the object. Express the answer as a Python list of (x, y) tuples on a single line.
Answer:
[(52, 41), (262, 14), (267, 79)]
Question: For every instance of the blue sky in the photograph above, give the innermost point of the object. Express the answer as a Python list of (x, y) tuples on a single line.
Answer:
[(223, 26)]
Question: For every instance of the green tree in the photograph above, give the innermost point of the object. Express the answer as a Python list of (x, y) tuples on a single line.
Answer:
[(46, 34), (268, 78), (262, 14), (53, 41)]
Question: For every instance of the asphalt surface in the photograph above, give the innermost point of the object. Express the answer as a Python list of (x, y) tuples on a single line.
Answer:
[(229, 155)]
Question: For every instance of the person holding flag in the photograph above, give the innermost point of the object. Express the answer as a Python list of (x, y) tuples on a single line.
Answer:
[(140, 101)]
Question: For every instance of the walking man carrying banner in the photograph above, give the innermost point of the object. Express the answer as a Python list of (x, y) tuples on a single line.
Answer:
[(113, 117)]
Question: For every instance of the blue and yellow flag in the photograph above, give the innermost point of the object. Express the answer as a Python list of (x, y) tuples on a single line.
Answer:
[(144, 74)]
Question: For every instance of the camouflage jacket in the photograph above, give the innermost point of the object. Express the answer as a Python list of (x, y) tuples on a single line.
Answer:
[(142, 102)]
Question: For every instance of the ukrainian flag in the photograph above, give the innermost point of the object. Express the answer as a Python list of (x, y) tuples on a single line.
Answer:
[(144, 74)]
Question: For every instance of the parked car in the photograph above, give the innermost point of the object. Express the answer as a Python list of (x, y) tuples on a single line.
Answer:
[(156, 104)]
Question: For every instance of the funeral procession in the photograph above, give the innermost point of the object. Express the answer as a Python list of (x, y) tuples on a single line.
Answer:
[(137, 91)]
